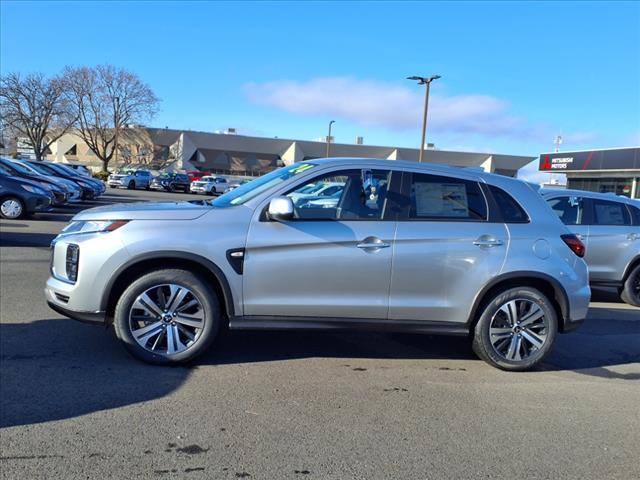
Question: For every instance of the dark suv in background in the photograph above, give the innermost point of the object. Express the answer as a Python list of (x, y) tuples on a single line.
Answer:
[(171, 182)]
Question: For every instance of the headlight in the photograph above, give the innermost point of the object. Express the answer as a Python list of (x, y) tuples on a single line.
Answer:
[(93, 226), (32, 189)]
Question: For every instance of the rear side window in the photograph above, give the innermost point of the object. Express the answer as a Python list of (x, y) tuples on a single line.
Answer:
[(569, 209), (610, 213), (434, 197), (511, 210)]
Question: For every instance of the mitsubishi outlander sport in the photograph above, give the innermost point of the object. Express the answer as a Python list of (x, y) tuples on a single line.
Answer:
[(406, 247)]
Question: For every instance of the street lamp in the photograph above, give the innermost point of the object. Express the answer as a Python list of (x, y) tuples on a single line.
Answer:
[(329, 136), (424, 81)]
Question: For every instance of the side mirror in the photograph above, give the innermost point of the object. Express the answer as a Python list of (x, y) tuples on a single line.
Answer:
[(280, 209)]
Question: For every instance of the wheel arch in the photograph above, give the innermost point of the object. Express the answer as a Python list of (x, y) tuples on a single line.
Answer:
[(632, 264), (167, 259), (545, 283)]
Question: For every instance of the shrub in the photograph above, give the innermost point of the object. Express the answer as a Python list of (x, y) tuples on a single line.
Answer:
[(101, 176)]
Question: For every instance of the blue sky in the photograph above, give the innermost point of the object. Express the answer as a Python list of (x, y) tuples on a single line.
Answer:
[(514, 75)]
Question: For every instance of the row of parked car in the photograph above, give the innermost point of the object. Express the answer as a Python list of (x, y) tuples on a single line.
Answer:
[(193, 181), (28, 186)]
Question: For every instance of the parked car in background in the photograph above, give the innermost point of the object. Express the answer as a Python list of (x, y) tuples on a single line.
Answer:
[(195, 175), (171, 182), (20, 197), (130, 179), (81, 168), (59, 193), (317, 191), (210, 185), (234, 185), (74, 190), (419, 248), (99, 185), (609, 226), (90, 188)]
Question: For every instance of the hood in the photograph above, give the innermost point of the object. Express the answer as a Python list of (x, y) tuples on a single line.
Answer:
[(146, 211)]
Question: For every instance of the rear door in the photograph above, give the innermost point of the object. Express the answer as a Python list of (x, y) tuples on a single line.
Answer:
[(445, 250), (613, 240)]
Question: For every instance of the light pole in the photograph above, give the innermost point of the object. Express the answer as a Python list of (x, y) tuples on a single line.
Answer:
[(329, 136), (424, 81)]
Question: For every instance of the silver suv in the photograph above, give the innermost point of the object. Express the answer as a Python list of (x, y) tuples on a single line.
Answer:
[(130, 179), (609, 226), (406, 247)]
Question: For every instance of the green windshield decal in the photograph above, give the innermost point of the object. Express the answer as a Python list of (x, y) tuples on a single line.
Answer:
[(301, 168)]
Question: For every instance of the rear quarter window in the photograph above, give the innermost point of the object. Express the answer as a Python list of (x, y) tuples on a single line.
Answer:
[(635, 214), (510, 209)]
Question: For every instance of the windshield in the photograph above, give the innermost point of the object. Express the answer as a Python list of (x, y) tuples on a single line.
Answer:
[(44, 169), (64, 169), (250, 190)]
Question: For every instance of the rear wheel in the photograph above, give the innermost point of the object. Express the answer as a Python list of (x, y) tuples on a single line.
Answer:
[(167, 317), (516, 330), (11, 208), (631, 291)]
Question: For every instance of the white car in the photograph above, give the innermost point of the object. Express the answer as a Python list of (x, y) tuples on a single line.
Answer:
[(130, 179), (210, 185), (317, 191)]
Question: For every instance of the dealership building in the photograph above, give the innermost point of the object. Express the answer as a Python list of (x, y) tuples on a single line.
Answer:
[(230, 153), (615, 170)]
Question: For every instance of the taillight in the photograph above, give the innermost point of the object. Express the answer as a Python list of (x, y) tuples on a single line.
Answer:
[(575, 244)]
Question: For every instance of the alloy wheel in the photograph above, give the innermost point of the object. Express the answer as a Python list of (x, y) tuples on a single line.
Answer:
[(166, 319), (11, 208), (518, 330)]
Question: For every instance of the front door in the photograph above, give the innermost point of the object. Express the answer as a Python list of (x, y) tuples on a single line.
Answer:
[(332, 260)]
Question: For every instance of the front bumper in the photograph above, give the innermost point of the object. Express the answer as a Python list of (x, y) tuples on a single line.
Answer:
[(156, 186), (115, 183), (94, 318), (198, 189)]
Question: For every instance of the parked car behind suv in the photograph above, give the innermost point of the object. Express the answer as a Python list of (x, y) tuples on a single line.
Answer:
[(20, 197), (130, 179), (171, 182), (609, 226), (210, 185), (407, 247)]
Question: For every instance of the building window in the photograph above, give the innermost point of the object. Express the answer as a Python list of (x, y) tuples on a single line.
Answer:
[(619, 186)]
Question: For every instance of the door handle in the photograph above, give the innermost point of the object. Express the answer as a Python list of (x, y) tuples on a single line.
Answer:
[(371, 243), (488, 242)]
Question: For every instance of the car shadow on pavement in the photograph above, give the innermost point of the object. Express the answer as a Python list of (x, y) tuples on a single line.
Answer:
[(25, 239), (57, 369)]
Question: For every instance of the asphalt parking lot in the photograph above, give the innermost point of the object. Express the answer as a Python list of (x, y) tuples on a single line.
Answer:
[(270, 405)]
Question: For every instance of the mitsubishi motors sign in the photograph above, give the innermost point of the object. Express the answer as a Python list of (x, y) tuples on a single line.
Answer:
[(615, 159)]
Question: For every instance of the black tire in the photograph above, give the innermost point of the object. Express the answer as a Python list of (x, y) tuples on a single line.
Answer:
[(184, 278), (22, 211), (172, 188), (483, 346), (631, 291), (131, 185)]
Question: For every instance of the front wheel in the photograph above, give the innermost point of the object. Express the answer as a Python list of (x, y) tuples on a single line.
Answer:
[(11, 208), (631, 291), (516, 329), (167, 317), (131, 185)]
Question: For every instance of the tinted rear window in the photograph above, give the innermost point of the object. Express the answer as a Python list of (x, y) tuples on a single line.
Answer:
[(511, 210)]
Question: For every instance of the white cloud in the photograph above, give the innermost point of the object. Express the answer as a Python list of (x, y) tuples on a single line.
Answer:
[(380, 104)]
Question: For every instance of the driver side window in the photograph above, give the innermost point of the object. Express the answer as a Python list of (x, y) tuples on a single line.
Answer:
[(340, 196)]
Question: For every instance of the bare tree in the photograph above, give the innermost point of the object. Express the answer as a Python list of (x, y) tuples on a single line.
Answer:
[(35, 107), (105, 99)]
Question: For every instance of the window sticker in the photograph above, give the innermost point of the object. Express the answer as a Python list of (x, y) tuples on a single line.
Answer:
[(441, 200)]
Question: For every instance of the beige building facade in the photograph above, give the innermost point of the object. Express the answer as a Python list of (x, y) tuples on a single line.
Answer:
[(246, 155)]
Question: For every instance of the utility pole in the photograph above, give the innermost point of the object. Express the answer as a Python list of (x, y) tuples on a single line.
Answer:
[(424, 81), (329, 136), (117, 127)]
